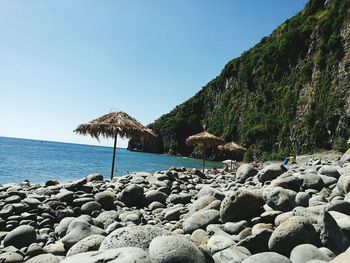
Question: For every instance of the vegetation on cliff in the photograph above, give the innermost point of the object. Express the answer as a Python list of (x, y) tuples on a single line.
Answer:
[(288, 94)]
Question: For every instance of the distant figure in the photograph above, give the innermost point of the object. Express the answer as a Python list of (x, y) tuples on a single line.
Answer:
[(285, 161), (292, 159), (214, 171), (226, 168), (255, 164)]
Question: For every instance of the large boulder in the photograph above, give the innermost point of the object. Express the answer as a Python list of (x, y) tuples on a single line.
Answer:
[(295, 231), (174, 249), (21, 236), (271, 172), (244, 172), (200, 220), (279, 198), (133, 236), (119, 255), (241, 205), (267, 257)]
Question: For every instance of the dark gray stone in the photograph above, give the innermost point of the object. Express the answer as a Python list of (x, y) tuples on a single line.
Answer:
[(240, 205), (244, 172), (21, 236), (271, 172)]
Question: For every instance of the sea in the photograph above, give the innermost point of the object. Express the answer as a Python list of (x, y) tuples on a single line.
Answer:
[(39, 161)]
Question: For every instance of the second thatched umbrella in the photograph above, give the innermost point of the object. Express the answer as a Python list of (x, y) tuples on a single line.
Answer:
[(231, 147), (204, 139), (114, 124)]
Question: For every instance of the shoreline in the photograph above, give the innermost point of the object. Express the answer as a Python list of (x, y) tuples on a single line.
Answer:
[(246, 215)]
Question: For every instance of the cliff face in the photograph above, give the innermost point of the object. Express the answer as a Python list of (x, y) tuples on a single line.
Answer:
[(289, 93)]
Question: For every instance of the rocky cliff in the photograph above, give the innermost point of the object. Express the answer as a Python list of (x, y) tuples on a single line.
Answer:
[(289, 93)]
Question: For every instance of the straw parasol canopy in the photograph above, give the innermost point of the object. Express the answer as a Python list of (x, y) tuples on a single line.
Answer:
[(204, 139), (114, 124), (231, 147)]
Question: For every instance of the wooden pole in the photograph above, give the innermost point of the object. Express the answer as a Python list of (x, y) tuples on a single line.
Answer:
[(203, 165), (114, 150)]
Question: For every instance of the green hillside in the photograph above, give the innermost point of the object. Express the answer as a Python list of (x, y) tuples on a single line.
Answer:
[(288, 94)]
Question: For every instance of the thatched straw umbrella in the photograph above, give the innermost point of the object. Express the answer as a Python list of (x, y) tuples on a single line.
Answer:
[(204, 139), (114, 124), (231, 147)]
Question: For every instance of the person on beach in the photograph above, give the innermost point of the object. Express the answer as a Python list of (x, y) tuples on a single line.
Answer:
[(214, 171), (226, 169)]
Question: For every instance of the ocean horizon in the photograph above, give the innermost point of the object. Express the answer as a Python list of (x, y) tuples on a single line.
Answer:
[(40, 160)]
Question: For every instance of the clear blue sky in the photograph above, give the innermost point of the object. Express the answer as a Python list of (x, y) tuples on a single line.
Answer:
[(66, 62)]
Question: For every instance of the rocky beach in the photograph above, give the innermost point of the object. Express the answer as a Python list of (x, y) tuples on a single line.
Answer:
[(298, 213)]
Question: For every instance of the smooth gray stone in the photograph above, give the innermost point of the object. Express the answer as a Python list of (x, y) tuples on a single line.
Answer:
[(267, 257), (119, 255), (94, 177), (217, 243), (306, 252), (331, 234), (90, 207), (329, 170), (44, 258), (90, 243), (174, 249), (105, 199), (11, 257), (208, 190), (244, 172), (295, 231), (230, 255), (279, 198), (79, 229), (200, 220), (311, 181), (201, 203)]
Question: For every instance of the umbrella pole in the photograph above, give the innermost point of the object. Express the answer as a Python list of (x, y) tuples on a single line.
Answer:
[(114, 150)]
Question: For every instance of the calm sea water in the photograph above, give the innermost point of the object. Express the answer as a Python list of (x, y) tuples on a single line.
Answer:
[(39, 161)]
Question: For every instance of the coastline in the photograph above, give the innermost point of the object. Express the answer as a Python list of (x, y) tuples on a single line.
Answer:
[(182, 215)]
